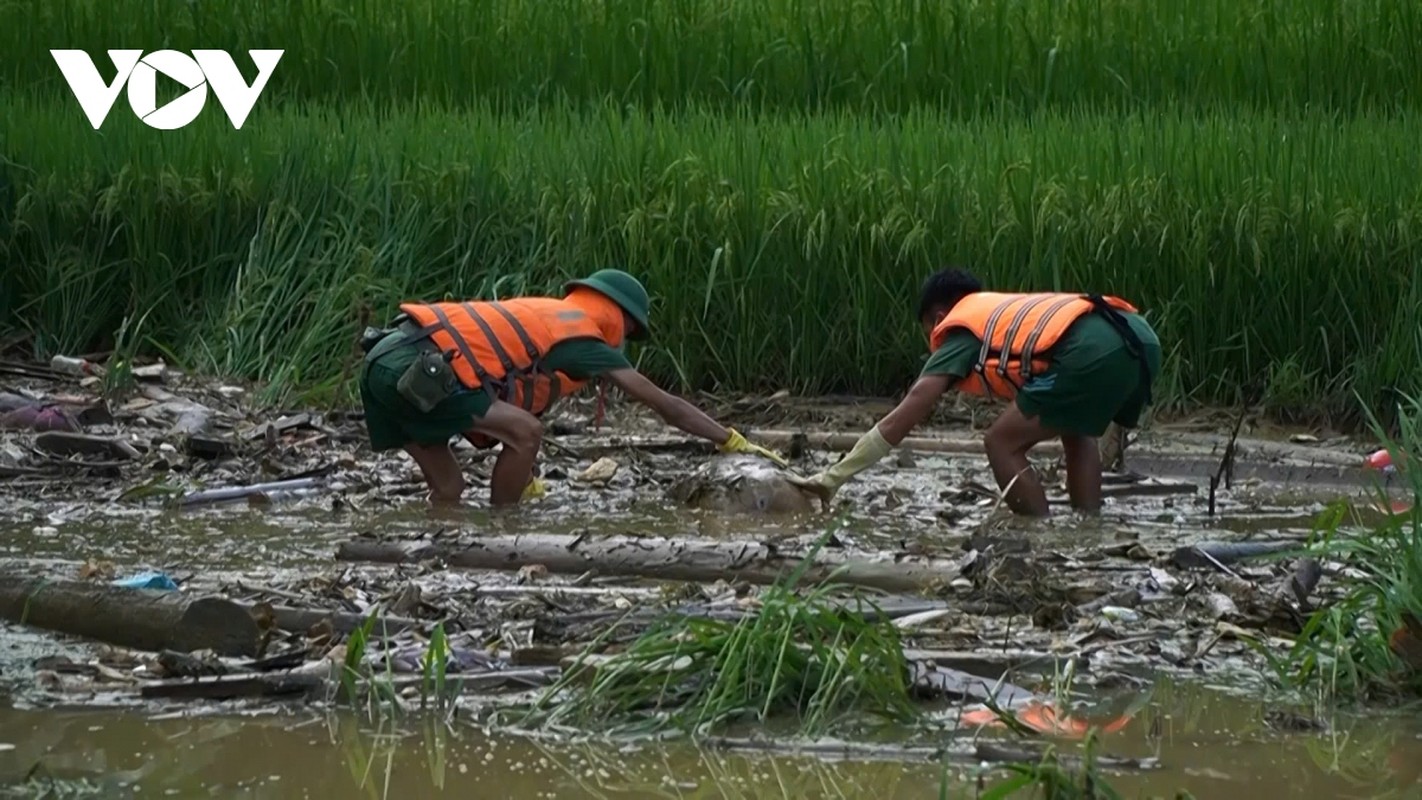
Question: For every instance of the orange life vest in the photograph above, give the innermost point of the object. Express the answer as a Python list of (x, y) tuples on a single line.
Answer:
[(500, 345), (1017, 331)]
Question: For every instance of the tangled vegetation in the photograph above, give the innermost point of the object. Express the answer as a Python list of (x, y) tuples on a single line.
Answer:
[(1368, 646)]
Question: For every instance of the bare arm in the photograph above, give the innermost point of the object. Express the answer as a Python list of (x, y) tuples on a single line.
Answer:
[(673, 410), (916, 407)]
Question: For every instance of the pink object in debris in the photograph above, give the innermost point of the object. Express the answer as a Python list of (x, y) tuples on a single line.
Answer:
[(39, 418), (1380, 460)]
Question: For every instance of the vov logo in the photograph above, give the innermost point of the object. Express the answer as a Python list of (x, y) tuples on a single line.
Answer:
[(203, 69)]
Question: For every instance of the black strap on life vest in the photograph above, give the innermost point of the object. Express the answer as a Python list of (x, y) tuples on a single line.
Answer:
[(1134, 345)]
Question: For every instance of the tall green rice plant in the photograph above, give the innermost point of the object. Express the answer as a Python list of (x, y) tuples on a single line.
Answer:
[(1264, 247), (965, 57)]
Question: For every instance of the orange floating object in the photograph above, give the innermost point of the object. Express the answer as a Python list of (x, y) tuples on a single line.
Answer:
[(1406, 644), (1395, 506), (1042, 718)]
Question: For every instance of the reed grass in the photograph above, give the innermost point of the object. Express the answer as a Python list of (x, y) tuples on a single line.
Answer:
[(963, 56), (1266, 248), (1345, 651), (797, 658)]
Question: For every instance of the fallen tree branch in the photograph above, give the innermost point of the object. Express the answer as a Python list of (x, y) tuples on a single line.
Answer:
[(702, 560), (231, 687), (136, 618), (313, 682), (1214, 554)]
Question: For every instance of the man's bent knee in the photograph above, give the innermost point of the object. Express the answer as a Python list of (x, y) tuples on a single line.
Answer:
[(446, 488), (525, 435)]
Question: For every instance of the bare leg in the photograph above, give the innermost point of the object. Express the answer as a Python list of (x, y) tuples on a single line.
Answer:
[(1007, 442), (522, 435), (441, 471), (1083, 466)]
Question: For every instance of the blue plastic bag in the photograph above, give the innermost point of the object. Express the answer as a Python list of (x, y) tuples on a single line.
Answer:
[(147, 580)]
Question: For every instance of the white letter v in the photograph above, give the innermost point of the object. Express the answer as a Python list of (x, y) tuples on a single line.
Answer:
[(94, 96)]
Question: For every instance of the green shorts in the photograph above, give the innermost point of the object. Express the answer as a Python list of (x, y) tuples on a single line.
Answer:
[(391, 421), (1094, 379)]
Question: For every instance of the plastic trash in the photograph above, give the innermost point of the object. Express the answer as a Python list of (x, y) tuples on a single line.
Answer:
[(70, 365), (147, 580), (229, 493), (1119, 614), (1380, 460)]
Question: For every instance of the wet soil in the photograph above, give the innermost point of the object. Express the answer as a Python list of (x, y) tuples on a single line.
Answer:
[(1049, 591)]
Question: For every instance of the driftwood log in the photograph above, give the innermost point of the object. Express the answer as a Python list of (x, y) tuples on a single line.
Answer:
[(702, 560), (141, 619)]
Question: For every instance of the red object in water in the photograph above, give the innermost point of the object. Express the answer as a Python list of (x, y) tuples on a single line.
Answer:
[(1395, 507), (1380, 460), (1043, 718)]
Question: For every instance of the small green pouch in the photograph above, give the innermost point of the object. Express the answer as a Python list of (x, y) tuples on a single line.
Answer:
[(427, 381), (371, 336)]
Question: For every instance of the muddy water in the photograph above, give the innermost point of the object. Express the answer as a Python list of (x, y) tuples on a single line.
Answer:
[(1213, 744), (929, 501)]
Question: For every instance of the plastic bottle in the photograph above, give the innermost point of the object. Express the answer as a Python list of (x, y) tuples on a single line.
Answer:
[(71, 366)]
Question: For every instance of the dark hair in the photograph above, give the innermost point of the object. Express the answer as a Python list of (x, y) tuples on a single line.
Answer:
[(945, 288)]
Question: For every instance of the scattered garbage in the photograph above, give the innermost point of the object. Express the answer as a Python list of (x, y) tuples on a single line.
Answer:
[(599, 472), (148, 580), (39, 417), (1118, 614)]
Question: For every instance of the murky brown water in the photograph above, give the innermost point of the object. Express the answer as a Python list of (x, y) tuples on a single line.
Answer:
[(893, 503), (1212, 744)]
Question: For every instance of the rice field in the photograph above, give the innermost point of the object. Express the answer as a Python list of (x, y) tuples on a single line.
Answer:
[(1274, 249), (782, 173), (957, 56)]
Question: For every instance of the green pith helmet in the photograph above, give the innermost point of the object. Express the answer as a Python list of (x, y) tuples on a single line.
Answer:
[(624, 290)]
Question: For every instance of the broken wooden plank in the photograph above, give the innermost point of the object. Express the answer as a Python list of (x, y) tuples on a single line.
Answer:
[(209, 447), (686, 559), (232, 687), (64, 443)]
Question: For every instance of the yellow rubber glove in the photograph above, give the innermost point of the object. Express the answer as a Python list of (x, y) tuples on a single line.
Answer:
[(738, 444), (868, 451), (534, 490)]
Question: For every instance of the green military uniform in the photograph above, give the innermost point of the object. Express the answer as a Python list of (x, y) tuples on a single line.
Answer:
[(1093, 379), (392, 421)]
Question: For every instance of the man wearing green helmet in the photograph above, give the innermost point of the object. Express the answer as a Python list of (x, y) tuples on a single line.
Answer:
[(488, 370)]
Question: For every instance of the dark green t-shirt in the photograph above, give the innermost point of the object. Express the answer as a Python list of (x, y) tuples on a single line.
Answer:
[(1092, 379), (585, 359)]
